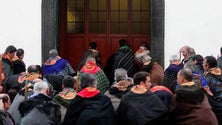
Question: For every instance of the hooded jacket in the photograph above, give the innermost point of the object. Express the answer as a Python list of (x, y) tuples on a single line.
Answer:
[(90, 108), (214, 79)]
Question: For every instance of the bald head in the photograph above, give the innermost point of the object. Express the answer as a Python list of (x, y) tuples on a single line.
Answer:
[(33, 69), (184, 75)]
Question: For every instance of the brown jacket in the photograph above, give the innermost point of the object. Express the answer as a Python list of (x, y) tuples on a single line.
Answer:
[(156, 72), (185, 113)]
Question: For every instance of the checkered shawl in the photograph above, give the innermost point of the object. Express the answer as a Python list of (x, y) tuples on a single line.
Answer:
[(102, 81), (214, 81)]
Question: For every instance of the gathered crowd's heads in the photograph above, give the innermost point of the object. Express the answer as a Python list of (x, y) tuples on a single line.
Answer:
[(184, 50), (146, 58), (42, 87), (174, 58), (142, 48), (122, 42), (92, 45), (68, 82), (20, 53), (191, 65), (90, 59), (184, 75), (120, 74), (6, 101), (10, 50), (187, 51), (142, 78), (87, 80), (34, 69), (197, 59), (145, 46), (191, 52), (53, 53), (209, 62)]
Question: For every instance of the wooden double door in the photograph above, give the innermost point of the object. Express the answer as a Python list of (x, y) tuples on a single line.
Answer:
[(104, 22)]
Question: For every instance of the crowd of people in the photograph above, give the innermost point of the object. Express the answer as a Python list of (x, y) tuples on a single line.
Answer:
[(131, 88)]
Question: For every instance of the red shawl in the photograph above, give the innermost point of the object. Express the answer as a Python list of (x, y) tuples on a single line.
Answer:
[(90, 67), (88, 92)]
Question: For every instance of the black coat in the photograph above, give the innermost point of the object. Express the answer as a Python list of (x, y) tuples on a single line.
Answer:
[(124, 58), (19, 66), (97, 110), (43, 104), (141, 109)]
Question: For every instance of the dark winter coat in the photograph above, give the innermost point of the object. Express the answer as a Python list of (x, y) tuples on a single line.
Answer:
[(170, 76), (96, 110), (44, 105), (19, 66), (124, 58), (190, 106), (141, 109), (214, 80)]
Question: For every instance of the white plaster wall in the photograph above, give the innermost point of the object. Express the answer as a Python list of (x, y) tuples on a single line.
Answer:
[(20, 25), (197, 23)]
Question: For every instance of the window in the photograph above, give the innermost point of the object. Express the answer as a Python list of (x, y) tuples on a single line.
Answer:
[(140, 16), (119, 16), (97, 16), (75, 16)]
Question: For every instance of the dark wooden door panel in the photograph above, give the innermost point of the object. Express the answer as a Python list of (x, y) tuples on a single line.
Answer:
[(102, 46), (74, 49), (139, 40)]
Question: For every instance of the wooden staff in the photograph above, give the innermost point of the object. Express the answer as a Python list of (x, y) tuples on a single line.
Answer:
[(26, 86), (77, 82)]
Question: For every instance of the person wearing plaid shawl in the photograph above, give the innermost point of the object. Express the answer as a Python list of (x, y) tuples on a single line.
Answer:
[(92, 68)]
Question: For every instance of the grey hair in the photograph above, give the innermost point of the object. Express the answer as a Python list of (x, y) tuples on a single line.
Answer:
[(40, 85), (146, 58), (90, 58), (87, 80), (190, 65), (174, 57), (191, 51), (120, 74), (53, 53)]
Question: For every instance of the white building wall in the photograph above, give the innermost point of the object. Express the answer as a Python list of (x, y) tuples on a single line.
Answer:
[(20, 25), (197, 23)]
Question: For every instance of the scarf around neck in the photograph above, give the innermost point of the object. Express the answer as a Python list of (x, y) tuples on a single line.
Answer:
[(52, 60), (90, 67), (88, 92)]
